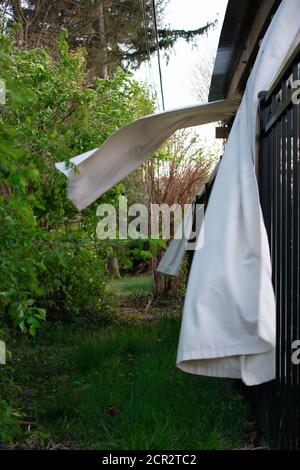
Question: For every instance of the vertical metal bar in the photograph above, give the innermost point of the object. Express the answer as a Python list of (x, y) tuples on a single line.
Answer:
[(274, 414), (284, 254), (296, 257), (279, 185), (276, 229), (280, 338), (288, 280), (294, 190), (264, 393), (276, 162)]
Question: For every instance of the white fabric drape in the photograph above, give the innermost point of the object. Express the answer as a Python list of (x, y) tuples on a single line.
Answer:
[(172, 258), (228, 325), (96, 171)]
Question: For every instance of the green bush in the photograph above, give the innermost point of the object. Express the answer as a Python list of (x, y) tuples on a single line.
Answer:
[(10, 428), (74, 279), (54, 110)]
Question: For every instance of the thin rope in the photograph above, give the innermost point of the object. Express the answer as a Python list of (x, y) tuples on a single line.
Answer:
[(158, 54), (148, 64)]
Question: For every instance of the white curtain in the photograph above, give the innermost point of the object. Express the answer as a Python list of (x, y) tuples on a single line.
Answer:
[(96, 171), (172, 258), (228, 325)]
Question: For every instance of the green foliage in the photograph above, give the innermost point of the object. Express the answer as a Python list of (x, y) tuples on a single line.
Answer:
[(114, 33), (49, 262), (18, 226), (132, 253), (50, 265), (10, 428), (74, 279), (66, 114)]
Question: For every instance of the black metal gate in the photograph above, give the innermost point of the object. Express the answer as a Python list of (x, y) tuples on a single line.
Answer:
[(279, 185)]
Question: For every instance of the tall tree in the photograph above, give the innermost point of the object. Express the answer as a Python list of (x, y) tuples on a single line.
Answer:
[(114, 32)]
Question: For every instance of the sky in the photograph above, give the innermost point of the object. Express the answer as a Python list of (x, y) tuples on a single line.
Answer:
[(178, 72)]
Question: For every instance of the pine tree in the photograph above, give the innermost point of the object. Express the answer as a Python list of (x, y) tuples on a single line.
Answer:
[(114, 32)]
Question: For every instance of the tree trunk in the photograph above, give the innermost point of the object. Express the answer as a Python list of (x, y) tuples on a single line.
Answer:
[(113, 267), (102, 51)]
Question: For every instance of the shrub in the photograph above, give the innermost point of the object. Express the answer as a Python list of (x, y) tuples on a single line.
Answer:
[(10, 428), (74, 279), (53, 112)]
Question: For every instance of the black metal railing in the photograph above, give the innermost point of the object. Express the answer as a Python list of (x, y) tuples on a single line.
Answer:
[(276, 404), (279, 186)]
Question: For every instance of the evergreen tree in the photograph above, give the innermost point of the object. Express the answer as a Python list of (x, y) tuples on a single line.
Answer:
[(114, 32)]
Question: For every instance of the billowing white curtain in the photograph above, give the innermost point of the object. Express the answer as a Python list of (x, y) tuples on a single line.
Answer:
[(96, 171)]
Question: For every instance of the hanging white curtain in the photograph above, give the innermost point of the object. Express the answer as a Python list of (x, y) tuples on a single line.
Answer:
[(172, 258), (228, 325)]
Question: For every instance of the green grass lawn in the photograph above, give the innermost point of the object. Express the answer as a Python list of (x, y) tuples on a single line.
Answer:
[(129, 285), (118, 388)]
